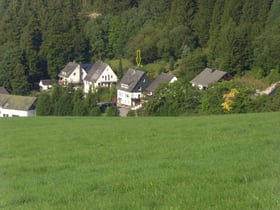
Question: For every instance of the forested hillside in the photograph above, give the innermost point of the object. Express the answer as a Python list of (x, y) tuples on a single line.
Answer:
[(38, 37)]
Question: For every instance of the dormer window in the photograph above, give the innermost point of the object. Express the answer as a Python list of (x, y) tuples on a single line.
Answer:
[(125, 86)]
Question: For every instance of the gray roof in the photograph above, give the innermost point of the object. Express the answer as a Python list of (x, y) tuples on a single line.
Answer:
[(47, 82), (208, 76), (162, 78), (24, 103), (68, 69), (3, 90), (95, 71), (130, 79), (86, 66)]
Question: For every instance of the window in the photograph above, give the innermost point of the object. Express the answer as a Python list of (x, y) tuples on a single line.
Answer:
[(144, 80), (139, 88)]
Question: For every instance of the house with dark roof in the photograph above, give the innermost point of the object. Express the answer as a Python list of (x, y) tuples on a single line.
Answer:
[(3, 90), (209, 76), (162, 78), (131, 88), (99, 75), (73, 73), (17, 106), (46, 84)]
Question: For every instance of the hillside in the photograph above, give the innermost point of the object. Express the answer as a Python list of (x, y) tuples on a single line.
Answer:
[(211, 162), (39, 37)]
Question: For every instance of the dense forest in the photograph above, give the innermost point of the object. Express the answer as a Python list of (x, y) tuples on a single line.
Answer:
[(38, 37)]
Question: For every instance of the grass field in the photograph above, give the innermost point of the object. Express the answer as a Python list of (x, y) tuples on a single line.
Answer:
[(208, 162)]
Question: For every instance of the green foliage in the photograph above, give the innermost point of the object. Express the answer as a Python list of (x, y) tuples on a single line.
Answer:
[(43, 105), (192, 64), (172, 100), (95, 111), (112, 111), (233, 35), (64, 105), (19, 82)]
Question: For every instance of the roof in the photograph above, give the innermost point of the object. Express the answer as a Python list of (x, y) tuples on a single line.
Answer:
[(130, 79), (162, 78), (208, 76), (3, 91), (47, 82), (68, 69), (23, 103), (86, 66), (95, 71)]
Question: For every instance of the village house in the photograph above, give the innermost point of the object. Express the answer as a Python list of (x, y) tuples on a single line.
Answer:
[(99, 75), (162, 78), (131, 88), (46, 84), (74, 73), (209, 76), (17, 106)]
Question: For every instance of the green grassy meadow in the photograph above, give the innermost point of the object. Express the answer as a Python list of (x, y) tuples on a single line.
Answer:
[(206, 162)]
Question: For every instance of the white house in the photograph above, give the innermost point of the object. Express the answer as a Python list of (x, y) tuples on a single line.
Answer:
[(131, 88), (99, 75), (17, 106), (73, 73), (46, 84), (162, 78)]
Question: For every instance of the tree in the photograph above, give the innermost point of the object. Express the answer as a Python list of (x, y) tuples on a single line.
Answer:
[(64, 106), (112, 111), (120, 70), (10, 56), (20, 84), (79, 108), (44, 105)]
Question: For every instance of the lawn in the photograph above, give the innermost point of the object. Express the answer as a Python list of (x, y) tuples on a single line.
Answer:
[(207, 162)]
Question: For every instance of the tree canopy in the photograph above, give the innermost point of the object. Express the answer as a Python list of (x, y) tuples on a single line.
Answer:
[(39, 37)]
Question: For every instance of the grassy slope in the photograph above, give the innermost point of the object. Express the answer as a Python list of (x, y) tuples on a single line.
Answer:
[(211, 162)]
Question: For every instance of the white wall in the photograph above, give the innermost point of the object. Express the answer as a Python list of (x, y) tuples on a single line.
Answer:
[(107, 76), (124, 98), (16, 113), (75, 76), (105, 80)]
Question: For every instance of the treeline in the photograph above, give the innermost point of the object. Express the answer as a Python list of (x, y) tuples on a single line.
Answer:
[(179, 99), (67, 101), (39, 37)]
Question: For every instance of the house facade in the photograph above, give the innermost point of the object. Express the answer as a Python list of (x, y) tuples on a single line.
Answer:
[(99, 75), (17, 106), (131, 88), (73, 73), (209, 76)]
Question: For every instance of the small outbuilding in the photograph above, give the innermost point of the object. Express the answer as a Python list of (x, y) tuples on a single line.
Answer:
[(46, 84)]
